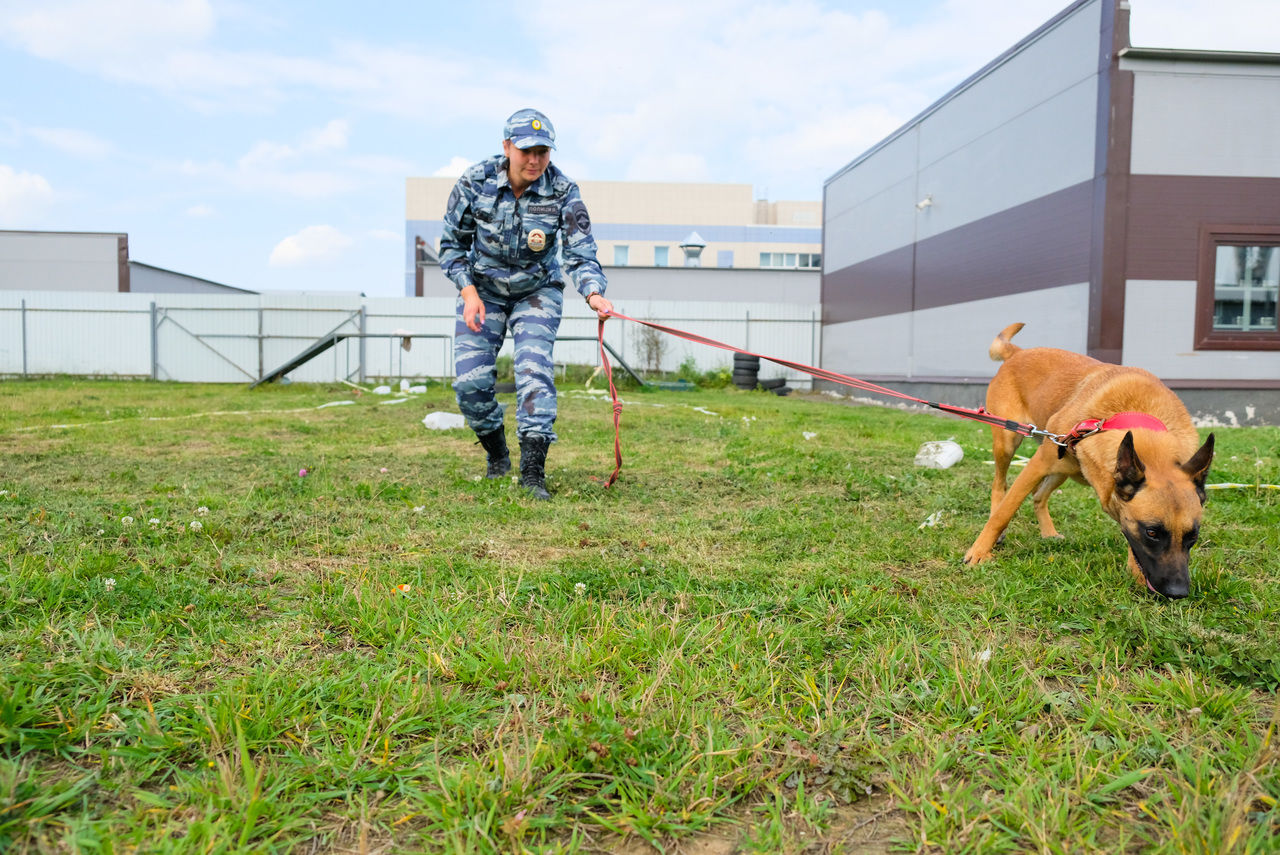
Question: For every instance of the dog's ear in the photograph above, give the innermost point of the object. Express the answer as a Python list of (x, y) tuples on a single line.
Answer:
[(1198, 466), (1130, 473)]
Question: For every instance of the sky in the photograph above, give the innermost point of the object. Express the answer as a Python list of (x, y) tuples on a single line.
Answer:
[(265, 145)]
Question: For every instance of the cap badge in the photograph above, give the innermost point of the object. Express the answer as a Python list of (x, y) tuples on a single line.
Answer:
[(537, 240), (536, 125)]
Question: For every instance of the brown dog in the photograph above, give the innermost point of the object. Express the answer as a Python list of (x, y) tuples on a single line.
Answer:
[(1128, 437)]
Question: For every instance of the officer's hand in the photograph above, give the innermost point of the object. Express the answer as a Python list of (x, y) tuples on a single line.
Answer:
[(603, 308), (472, 309)]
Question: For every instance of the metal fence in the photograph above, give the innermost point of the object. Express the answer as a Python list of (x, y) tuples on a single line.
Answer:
[(241, 339)]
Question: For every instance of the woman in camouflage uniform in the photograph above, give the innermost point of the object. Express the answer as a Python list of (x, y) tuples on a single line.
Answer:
[(515, 232)]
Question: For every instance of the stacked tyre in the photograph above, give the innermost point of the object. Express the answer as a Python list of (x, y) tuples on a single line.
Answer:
[(746, 370)]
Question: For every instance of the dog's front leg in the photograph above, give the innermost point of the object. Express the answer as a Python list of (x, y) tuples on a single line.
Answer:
[(1037, 469)]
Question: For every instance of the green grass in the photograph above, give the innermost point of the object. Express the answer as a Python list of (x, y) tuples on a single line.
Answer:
[(750, 641)]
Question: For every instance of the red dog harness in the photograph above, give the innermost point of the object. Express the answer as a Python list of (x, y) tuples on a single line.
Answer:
[(1120, 421)]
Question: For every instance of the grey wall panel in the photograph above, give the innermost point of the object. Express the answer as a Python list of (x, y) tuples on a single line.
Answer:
[(870, 210), (1159, 331), (60, 261), (952, 342), (1223, 122), (894, 162), (1038, 245), (1036, 153), (868, 348)]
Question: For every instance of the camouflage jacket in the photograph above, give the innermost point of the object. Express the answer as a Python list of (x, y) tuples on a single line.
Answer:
[(509, 247)]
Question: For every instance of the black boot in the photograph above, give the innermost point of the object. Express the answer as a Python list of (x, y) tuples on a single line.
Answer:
[(495, 443), (533, 463)]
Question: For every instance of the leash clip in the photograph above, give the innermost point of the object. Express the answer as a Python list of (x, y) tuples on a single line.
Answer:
[(1055, 438)]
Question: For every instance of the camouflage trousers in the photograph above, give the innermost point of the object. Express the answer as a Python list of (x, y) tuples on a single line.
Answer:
[(533, 322)]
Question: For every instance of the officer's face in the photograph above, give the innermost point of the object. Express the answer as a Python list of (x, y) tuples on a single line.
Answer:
[(527, 164)]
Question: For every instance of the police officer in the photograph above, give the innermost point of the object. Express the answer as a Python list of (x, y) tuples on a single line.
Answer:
[(515, 232)]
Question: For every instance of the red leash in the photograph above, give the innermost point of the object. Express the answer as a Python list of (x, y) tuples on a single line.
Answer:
[(1065, 442)]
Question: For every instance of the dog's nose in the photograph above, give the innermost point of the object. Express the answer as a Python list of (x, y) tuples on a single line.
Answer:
[(1176, 589)]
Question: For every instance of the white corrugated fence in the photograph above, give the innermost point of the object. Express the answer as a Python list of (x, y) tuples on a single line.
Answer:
[(242, 338)]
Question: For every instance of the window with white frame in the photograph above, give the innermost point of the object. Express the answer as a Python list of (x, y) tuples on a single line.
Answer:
[(791, 260)]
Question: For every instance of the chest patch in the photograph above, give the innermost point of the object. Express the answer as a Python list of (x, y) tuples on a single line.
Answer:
[(544, 209)]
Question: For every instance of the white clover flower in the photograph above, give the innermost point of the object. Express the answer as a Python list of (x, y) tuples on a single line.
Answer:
[(580, 588), (196, 525), (4, 492), (109, 583), (126, 521), (202, 511), (417, 509), (102, 531), (154, 522), (984, 656)]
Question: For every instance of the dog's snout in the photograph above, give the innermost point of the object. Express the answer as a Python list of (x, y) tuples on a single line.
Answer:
[(1175, 589)]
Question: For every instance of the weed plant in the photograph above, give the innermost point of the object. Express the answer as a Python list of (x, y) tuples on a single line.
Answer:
[(242, 621)]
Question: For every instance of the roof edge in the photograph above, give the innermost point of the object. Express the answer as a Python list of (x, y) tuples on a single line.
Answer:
[(1194, 55)]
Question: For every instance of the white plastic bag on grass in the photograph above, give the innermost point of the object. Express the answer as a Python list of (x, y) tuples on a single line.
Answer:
[(940, 454), (441, 420)]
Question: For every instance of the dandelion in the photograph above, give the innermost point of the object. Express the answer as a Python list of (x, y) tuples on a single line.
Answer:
[(580, 588), (196, 525), (126, 521), (202, 511), (109, 583)]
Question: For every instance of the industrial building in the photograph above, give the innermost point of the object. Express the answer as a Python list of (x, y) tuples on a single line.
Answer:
[(1121, 201), (642, 229), (89, 261)]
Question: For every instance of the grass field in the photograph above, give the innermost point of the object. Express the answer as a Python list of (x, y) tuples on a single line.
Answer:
[(754, 642)]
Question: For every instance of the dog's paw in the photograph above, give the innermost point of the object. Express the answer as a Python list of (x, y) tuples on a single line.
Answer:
[(976, 556)]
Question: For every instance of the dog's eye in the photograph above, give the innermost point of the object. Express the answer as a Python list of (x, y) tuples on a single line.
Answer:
[(1189, 539), (1153, 532)]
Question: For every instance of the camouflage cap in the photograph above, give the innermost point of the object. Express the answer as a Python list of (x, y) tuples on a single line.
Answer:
[(527, 128)]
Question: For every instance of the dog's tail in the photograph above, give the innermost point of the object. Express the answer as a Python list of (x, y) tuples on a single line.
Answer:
[(1001, 348)]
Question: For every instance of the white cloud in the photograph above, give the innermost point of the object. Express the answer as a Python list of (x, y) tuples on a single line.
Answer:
[(454, 168), (24, 196), (304, 169), (332, 136), (71, 141), (312, 245), (118, 37)]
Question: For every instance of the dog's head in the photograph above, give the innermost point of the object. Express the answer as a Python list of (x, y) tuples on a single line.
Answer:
[(1158, 503)]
